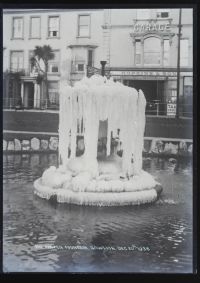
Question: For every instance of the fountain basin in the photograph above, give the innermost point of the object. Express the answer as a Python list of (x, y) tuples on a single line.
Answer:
[(135, 191), (111, 180)]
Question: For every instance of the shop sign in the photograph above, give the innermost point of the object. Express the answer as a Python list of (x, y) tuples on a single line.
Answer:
[(144, 73), (171, 109), (151, 27), (142, 78)]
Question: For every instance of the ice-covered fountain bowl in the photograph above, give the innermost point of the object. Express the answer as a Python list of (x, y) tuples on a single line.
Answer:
[(110, 180)]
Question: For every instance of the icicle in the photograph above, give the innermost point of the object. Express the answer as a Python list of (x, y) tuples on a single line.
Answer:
[(81, 109), (95, 99), (141, 104), (74, 125), (64, 122)]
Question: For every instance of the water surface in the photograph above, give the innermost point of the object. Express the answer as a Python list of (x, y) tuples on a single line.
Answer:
[(40, 236)]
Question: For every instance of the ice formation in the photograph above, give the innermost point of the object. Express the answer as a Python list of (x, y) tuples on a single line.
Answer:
[(112, 180), (98, 99)]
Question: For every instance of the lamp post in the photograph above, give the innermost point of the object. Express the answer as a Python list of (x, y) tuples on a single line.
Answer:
[(103, 63), (178, 65)]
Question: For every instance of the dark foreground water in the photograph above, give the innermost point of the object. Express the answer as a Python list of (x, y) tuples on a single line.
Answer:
[(40, 236)]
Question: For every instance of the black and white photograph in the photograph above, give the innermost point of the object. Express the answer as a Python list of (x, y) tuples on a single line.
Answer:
[(98, 140)]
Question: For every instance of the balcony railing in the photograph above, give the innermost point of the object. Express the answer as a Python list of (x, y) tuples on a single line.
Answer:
[(40, 104), (157, 108), (152, 108), (22, 72)]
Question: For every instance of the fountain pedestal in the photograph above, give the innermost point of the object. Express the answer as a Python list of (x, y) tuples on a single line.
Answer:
[(111, 181)]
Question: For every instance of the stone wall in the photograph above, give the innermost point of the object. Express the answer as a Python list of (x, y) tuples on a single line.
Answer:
[(33, 144), (153, 146), (167, 147)]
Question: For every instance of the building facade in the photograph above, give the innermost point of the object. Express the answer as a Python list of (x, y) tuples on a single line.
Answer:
[(75, 37), (143, 50), (140, 47)]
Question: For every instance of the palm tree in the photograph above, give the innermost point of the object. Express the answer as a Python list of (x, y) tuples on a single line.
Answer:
[(42, 54)]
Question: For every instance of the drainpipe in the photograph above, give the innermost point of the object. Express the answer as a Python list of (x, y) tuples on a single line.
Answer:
[(103, 63), (178, 66)]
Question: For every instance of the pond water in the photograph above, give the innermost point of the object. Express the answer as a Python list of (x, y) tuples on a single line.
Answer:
[(39, 236)]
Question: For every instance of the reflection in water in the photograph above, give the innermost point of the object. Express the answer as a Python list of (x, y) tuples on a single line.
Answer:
[(40, 236)]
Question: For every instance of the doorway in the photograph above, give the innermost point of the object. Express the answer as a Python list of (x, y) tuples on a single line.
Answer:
[(154, 94), (28, 95)]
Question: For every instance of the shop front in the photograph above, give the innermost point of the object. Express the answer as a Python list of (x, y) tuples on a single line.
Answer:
[(160, 89), (154, 90)]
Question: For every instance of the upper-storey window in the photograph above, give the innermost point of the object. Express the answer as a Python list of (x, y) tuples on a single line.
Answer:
[(53, 26), (143, 14), (90, 57), (35, 27), (138, 50), (84, 25), (166, 52), (17, 27), (54, 64), (152, 51), (16, 61), (184, 52), (162, 13)]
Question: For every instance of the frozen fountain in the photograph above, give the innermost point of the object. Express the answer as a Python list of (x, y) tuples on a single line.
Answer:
[(90, 179)]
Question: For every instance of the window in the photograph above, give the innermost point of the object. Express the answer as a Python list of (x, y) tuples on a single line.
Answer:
[(53, 93), (90, 58), (54, 64), (16, 61), (188, 97), (84, 25), (80, 67), (30, 55), (188, 82), (17, 27), (33, 70), (53, 26), (164, 13), (173, 96), (184, 52), (166, 52), (143, 14), (137, 52), (152, 48), (35, 27)]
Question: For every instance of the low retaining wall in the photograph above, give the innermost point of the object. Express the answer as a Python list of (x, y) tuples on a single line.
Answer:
[(168, 147), (152, 146), (31, 145), (48, 121)]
